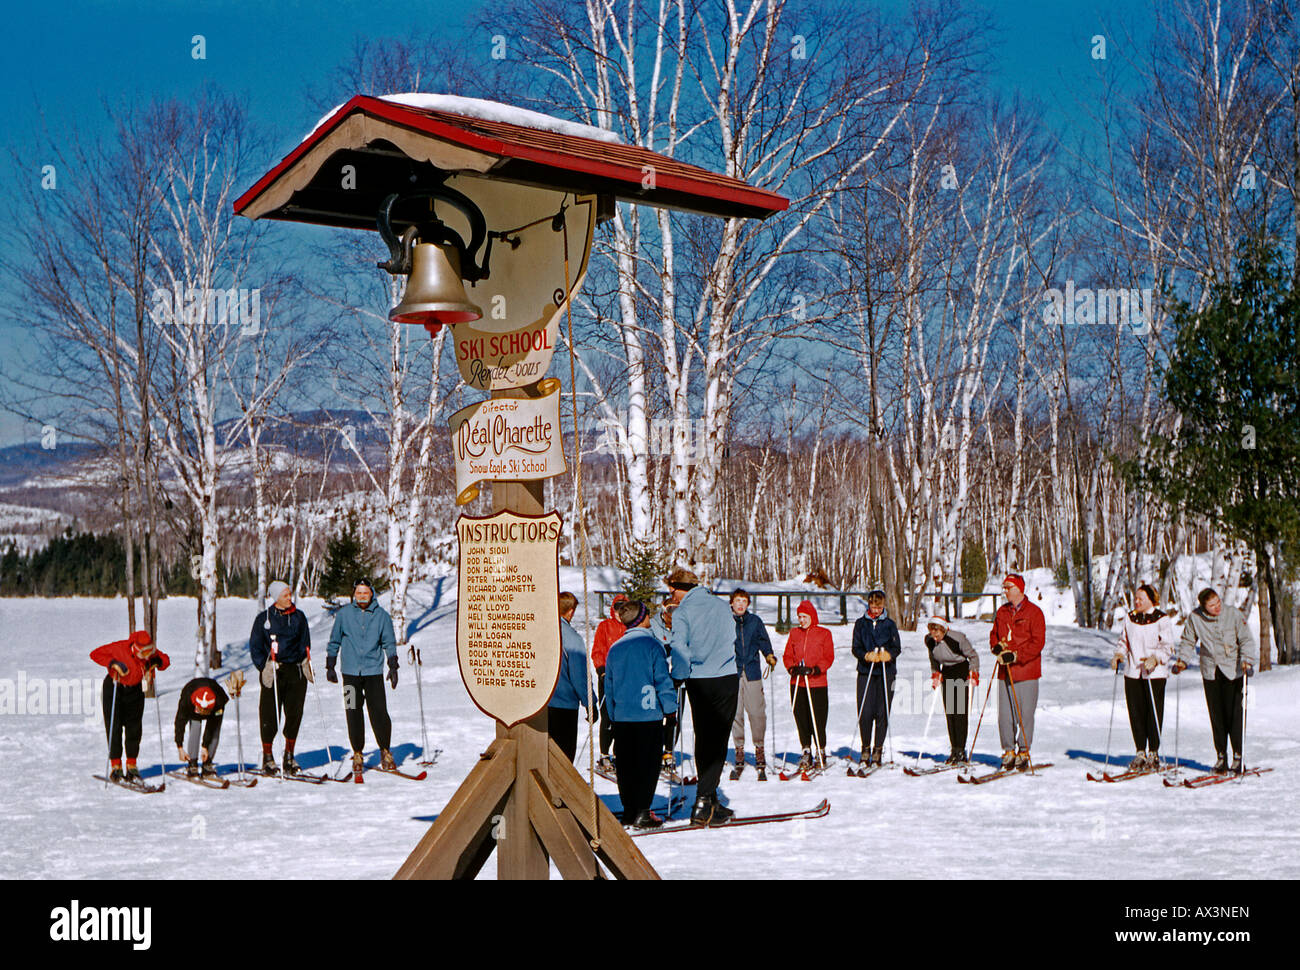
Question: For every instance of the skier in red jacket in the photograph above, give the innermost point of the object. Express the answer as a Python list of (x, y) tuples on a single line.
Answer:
[(128, 661), (809, 653), (608, 631), (1017, 638)]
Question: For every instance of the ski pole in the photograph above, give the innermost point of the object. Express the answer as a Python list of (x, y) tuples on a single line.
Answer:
[(1155, 714), (414, 658), (162, 750), (1114, 690), (889, 704), (987, 694), (813, 717), (1245, 698), (934, 702), (112, 721), (857, 725)]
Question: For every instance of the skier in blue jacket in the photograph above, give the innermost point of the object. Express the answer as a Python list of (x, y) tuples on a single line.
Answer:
[(752, 643), (363, 635), (704, 656), (639, 695), (571, 688), (876, 644)]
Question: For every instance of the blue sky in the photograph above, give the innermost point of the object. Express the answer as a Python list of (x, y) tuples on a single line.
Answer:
[(62, 62)]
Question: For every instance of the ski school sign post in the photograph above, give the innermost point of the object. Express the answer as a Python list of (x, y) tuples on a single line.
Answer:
[(523, 193)]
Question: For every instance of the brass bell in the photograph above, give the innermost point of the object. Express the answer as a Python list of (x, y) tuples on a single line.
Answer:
[(435, 293)]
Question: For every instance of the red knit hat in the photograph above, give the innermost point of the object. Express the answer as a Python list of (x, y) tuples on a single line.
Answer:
[(204, 699), (1017, 579)]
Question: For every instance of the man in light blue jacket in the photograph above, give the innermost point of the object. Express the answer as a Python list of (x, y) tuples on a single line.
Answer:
[(639, 695), (704, 656), (363, 634), (571, 689)]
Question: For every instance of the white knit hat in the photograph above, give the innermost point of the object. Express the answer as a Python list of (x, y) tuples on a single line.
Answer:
[(938, 621), (274, 590)]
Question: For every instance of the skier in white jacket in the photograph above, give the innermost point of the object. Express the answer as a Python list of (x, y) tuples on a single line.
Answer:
[(1146, 645)]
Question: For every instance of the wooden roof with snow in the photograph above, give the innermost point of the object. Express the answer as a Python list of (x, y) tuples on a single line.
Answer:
[(393, 146)]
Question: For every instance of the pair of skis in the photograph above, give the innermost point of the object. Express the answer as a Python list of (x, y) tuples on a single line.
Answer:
[(140, 787), (819, 811), (1001, 773), (1206, 780), (355, 776)]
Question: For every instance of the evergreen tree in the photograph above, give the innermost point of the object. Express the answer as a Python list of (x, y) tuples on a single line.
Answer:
[(974, 568), (1234, 378), (644, 564), (346, 561)]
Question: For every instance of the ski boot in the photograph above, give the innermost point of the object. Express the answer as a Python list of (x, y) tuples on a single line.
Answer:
[(290, 765), (877, 757), (358, 763), (1008, 760), (209, 769), (269, 766), (736, 771), (1022, 760), (647, 819), (192, 768), (762, 772), (668, 769), (721, 814), (386, 762), (805, 761), (702, 811), (605, 764), (132, 773), (1236, 764), (1221, 766), (116, 773)]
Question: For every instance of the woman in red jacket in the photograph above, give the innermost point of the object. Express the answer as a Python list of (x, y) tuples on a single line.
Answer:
[(128, 661), (809, 653)]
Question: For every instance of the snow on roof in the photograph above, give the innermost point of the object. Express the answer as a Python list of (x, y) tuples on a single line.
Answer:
[(491, 111)]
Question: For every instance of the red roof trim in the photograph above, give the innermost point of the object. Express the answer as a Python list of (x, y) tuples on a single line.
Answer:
[(671, 174)]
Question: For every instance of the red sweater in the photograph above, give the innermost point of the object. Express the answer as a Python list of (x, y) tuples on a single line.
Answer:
[(124, 650), (812, 647), (608, 631), (1028, 632)]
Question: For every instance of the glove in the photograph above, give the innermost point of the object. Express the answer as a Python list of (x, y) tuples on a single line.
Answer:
[(268, 673), (307, 671), (1007, 657), (815, 672), (600, 671), (117, 669), (392, 670), (1178, 667), (799, 670), (997, 648), (153, 661), (975, 678), (1150, 663), (677, 684), (670, 722), (1114, 661), (1248, 670), (330, 673), (936, 679), (771, 659)]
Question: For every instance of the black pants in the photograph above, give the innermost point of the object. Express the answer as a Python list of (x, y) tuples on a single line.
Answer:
[(1223, 698), (562, 728), (956, 702), (1145, 723), (713, 709), (606, 725), (639, 746), (674, 731), (879, 686), (291, 692), (127, 718), (805, 717), (360, 692)]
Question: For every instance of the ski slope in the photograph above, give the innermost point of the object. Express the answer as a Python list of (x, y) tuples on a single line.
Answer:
[(59, 823)]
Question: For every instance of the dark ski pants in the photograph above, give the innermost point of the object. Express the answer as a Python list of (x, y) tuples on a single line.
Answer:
[(562, 728), (291, 692), (806, 717), (128, 719), (361, 692), (713, 708), (878, 683), (956, 703), (1223, 698), (606, 725), (1142, 719), (674, 731), (640, 746)]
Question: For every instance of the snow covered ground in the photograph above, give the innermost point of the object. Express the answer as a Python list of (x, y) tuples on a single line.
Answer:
[(58, 822)]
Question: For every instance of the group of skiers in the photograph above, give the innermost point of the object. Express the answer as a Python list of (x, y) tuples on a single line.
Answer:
[(362, 643), (718, 658), (695, 648)]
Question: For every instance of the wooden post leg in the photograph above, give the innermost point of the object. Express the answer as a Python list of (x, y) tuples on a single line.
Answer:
[(520, 854), (461, 838), (559, 832)]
